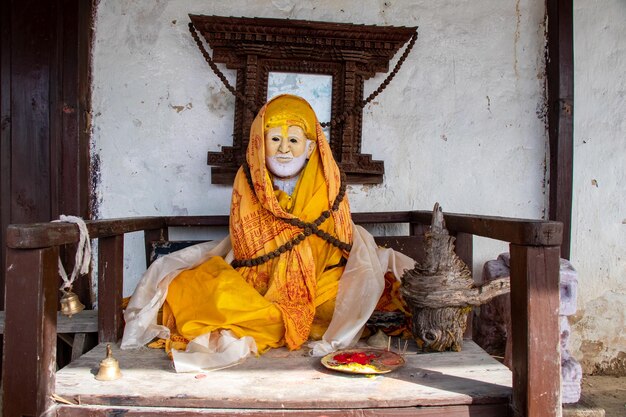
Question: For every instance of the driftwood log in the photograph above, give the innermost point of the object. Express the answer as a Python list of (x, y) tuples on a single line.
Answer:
[(440, 291)]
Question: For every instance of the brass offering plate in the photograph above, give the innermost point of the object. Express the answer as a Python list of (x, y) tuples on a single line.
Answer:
[(363, 361)]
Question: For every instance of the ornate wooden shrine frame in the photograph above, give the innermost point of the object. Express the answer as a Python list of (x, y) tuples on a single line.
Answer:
[(350, 53)]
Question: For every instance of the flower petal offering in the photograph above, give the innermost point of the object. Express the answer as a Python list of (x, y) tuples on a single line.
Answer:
[(363, 361)]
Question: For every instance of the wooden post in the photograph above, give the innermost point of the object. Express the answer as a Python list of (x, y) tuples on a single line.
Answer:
[(464, 248), (417, 229), (535, 330), (30, 331), (560, 69), (110, 284), (5, 144), (153, 235)]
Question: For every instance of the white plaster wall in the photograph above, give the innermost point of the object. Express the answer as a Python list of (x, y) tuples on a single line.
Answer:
[(462, 123), (599, 206)]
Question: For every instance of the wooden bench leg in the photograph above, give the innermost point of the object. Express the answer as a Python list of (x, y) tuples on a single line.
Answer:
[(30, 331), (535, 331), (78, 343), (110, 283), (78, 347)]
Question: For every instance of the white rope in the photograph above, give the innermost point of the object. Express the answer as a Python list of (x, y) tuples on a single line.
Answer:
[(83, 253)]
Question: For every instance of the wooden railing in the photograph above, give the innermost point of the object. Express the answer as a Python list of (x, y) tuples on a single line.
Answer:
[(32, 292)]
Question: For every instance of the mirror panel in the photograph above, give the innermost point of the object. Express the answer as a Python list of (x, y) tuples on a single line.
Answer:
[(315, 88)]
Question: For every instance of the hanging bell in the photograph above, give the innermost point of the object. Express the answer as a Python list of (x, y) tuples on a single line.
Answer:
[(109, 368), (70, 304)]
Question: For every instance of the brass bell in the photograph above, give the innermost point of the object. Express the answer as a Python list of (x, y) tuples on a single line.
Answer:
[(70, 304), (109, 368)]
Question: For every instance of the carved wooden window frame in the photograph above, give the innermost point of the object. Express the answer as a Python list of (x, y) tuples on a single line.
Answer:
[(349, 53)]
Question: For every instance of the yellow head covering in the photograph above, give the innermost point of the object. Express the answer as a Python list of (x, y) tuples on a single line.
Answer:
[(290, 111)]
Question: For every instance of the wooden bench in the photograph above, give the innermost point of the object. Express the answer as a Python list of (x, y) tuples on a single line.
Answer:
[(74, 330), (469, 383)]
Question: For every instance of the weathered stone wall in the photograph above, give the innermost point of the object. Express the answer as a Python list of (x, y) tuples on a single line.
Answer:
[(599, 209)]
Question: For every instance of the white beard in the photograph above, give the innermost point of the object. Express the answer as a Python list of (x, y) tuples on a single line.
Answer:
[(286, 169)]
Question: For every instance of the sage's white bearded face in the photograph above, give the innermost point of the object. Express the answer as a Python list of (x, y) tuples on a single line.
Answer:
[(286, 150)]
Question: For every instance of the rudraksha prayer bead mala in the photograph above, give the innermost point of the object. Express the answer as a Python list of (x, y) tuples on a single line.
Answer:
[(308, 229)]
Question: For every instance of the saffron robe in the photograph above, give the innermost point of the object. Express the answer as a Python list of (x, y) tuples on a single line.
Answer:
[(275, 302), (270, 302)]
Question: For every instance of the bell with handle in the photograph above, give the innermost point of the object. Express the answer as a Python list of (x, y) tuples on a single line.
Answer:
[(70, 304), (109, 368)]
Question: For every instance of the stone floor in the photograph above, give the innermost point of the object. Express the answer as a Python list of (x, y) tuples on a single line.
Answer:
[(602, 396)]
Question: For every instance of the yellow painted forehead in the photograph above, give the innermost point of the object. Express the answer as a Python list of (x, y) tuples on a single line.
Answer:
[(286, 111), (284, 131), (284, 123)]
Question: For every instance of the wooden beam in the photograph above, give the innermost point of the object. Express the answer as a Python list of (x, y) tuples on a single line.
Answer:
[(110, 284), (29, 360), (519, 231), (74, 39), (39, 235), (5, 135), (560, 67), (535, 331), (33, 36), (216, 220), (85, 198), (65, 144)]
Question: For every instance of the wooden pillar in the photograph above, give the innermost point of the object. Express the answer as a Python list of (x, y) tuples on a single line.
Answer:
[(30, 331), (560, 68), (110, 285), (5, 142), (69, 126), (44, 102), (5, 134), (535, 331)]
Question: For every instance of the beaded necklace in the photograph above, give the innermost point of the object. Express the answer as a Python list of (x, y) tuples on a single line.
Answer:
[(308, 229)]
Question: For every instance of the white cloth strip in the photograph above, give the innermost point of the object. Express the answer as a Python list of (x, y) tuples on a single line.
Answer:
[(82, 259)]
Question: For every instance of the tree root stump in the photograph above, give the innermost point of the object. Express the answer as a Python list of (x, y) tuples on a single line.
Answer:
[(440, 291)]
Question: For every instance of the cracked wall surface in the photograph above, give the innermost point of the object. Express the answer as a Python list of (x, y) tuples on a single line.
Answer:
[(457, 125), (599, 204), (462, 123)]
